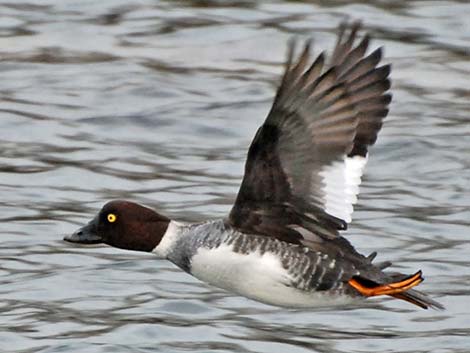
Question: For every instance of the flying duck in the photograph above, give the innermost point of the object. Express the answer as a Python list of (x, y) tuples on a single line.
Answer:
[(282, 242)]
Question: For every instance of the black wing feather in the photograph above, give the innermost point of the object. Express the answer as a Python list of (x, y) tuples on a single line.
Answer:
[(321, 114)]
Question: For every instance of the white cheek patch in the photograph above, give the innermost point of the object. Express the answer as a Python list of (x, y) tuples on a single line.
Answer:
[(341, 182)]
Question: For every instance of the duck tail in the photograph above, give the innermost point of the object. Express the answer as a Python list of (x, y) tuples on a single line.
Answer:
[(418, 298)]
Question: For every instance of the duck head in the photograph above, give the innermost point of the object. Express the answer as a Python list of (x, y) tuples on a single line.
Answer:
[(125, 225)]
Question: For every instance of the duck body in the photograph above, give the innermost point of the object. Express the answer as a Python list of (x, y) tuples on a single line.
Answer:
[(261, 268)]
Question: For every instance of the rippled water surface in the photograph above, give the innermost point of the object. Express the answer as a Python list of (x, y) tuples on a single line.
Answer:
[(157, 101)]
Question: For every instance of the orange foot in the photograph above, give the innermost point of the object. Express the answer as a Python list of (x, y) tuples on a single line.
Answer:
[(369, 290)]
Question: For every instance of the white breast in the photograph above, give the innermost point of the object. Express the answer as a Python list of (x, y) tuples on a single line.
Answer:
[(256, 276), (167, 243)]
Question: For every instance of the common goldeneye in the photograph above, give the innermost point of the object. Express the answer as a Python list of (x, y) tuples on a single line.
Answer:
[(281, 242)]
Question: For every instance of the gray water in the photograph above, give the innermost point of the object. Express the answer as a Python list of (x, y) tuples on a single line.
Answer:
[(156, 102)]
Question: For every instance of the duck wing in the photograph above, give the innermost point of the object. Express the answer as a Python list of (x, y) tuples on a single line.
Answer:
[(305, 163)]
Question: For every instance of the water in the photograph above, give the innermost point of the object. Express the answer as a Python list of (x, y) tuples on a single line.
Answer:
[(157, 101)]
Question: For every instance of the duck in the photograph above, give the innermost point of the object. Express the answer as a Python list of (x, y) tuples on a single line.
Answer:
[(282, 242)]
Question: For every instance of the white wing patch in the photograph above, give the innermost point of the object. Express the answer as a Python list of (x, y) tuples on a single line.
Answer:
[(341, 185)]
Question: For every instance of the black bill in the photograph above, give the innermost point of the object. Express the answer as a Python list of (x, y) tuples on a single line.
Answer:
[(86, 234)]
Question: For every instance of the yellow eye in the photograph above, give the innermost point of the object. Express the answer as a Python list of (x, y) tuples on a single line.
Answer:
[(112, 218)]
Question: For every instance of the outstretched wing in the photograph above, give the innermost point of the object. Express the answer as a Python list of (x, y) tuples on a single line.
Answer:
[(305, 163)]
